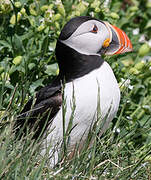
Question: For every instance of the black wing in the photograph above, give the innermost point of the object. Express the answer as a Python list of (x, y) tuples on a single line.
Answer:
[(37, 116)]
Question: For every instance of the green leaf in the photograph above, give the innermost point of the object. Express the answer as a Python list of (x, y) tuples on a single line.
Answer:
[(18, 45), (35, 85), (5, 44), (52, 69)]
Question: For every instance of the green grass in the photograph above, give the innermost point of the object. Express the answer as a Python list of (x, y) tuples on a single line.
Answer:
[(27, 63)]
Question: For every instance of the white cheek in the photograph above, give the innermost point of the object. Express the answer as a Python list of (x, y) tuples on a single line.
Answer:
[(87, 43)]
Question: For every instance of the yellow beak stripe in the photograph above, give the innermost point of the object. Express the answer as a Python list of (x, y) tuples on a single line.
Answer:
[(106, 43)]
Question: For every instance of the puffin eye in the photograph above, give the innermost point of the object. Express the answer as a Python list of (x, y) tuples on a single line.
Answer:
[(95, 29)]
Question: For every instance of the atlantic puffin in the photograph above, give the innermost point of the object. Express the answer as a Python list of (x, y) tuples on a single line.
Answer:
[(82, 75)]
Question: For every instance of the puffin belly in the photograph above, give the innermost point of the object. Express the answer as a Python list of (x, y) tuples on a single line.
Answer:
[(86, 91)]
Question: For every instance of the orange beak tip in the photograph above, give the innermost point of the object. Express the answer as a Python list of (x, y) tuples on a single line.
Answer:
[(125, 44)]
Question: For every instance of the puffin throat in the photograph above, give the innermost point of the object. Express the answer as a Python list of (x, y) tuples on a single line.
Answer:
[(73, 64)]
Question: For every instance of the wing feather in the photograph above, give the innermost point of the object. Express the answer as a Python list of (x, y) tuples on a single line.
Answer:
[(39, 115)]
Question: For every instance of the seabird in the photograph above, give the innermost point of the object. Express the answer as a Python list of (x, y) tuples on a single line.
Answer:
[(83, 75)]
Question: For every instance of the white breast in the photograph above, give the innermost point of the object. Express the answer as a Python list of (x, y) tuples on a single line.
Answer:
[(86, 99)]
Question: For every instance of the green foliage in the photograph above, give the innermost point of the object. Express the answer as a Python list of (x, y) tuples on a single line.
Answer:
[(28, 33)]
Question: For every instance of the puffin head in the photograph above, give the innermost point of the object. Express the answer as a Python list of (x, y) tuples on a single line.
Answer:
[(90, 36), (85, 38)]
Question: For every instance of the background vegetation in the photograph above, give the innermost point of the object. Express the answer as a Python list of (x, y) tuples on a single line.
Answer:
[(28, 33)]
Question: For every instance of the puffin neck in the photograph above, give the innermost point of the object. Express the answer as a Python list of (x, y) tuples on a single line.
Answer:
[(72, 64)]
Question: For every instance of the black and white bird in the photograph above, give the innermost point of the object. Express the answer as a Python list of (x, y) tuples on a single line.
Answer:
[(78, 51)]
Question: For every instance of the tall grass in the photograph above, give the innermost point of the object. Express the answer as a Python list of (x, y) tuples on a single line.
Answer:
[(115, 155)]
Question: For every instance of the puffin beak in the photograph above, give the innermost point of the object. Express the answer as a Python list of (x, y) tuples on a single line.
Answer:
[(117, 43)]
